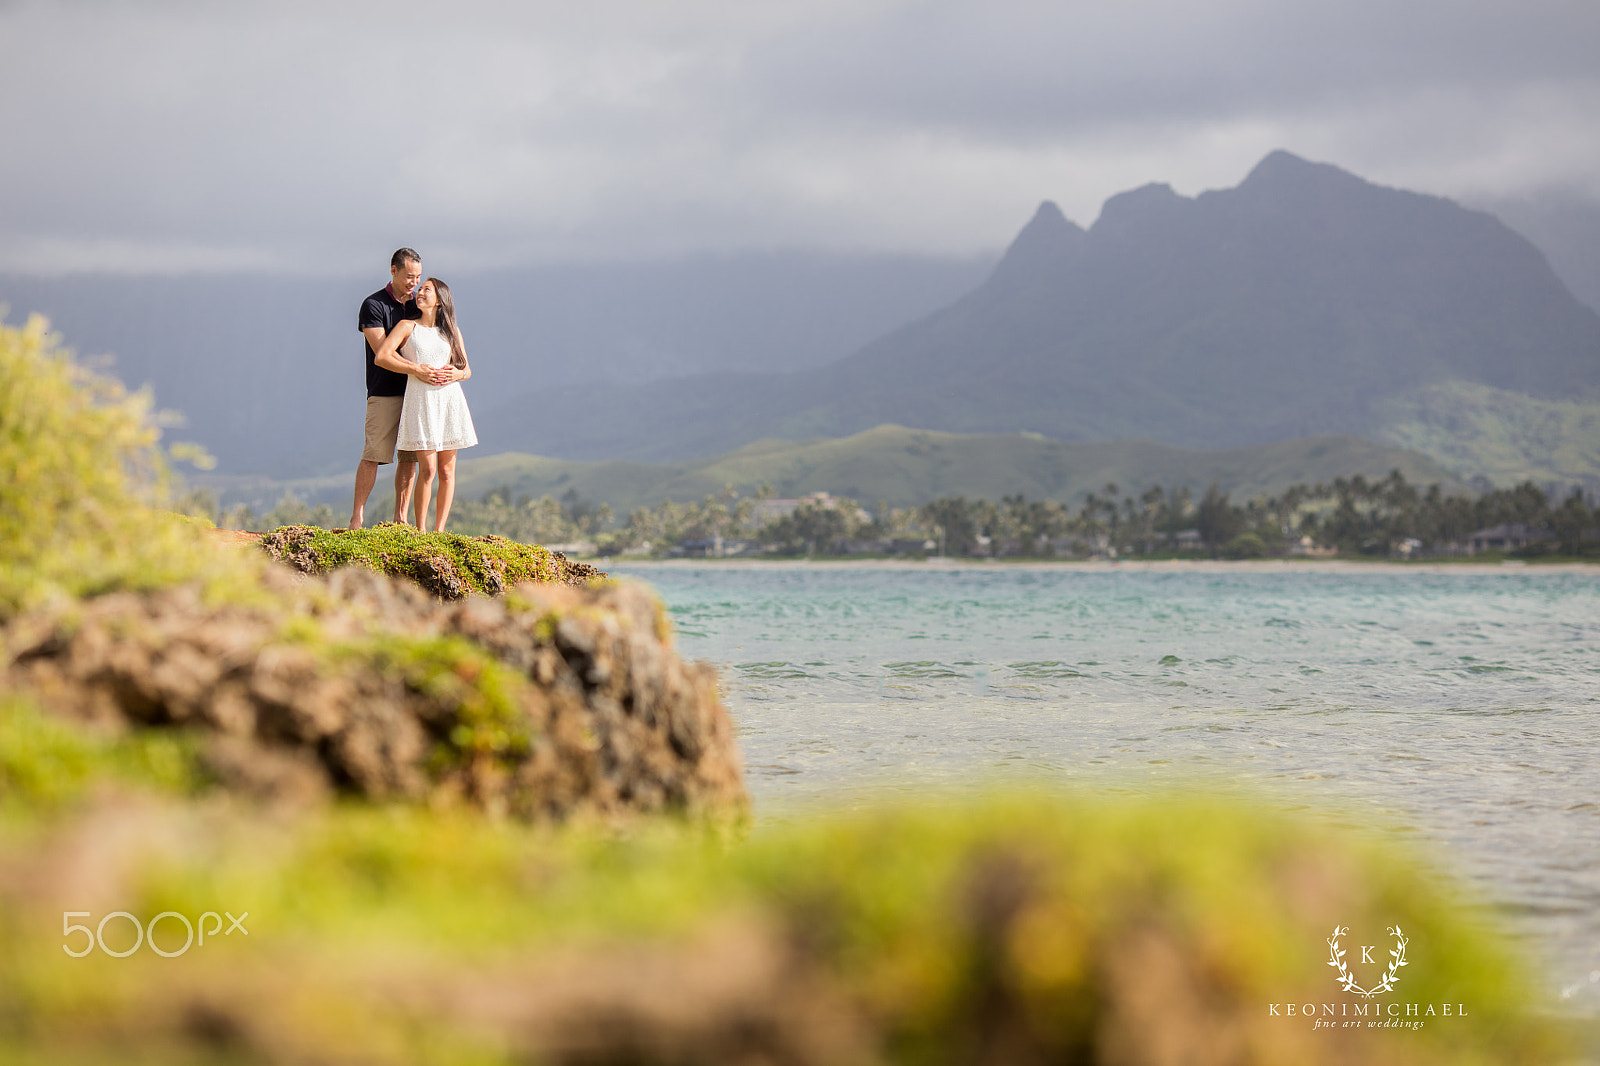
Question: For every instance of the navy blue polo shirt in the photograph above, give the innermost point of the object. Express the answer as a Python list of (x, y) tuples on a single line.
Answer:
[(382, 309)]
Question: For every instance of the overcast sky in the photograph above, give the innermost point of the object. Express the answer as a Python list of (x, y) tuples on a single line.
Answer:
[(193, 135)]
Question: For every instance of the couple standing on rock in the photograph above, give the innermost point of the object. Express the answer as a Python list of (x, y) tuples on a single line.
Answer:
[(416, 362)]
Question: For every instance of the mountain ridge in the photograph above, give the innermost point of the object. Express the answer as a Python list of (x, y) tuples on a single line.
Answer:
[(268, 371), (1288, 305), (906, 467), (1129, 328)]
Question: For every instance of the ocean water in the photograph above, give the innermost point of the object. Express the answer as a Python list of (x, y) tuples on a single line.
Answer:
[(1454, 709)]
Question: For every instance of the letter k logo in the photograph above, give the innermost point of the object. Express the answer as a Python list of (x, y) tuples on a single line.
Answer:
[(1366, 952)]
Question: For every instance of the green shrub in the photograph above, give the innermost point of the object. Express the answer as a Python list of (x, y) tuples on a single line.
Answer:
[(80, 472), (1244, 546)]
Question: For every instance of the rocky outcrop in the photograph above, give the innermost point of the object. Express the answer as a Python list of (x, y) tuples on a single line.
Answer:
[(447, 565), (545, 702)]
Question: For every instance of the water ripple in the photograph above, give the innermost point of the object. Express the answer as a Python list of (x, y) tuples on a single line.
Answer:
[(1456, 709)]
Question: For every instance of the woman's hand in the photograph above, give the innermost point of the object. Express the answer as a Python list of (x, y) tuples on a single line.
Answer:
[(388, 354), (443, 375)]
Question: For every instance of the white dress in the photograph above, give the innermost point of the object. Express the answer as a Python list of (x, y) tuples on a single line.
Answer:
[(432, 417)]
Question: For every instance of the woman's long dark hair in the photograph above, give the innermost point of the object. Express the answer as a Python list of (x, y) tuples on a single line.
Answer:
[(444, 320)]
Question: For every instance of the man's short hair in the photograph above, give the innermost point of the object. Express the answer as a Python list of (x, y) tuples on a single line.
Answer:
[(404, 256)]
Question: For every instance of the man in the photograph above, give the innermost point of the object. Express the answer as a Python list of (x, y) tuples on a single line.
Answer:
[(386, 389)]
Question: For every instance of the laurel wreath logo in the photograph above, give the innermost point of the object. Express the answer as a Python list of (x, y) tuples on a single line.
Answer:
[(1347, 981)]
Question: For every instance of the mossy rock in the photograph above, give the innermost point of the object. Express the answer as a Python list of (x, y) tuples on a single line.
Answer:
[(1019, 928), (448, 565), (559, 696), (545, 703)]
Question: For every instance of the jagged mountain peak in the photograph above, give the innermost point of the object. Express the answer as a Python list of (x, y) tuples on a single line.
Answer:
[(1151, 204), (1047, 225), (1282, 165), (1298, 302), (1048, 240), (1286, 178)]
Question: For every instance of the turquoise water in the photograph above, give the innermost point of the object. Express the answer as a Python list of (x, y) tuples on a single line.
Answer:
[(1456, 709)]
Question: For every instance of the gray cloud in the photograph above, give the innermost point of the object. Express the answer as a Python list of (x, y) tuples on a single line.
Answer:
[(1043, 68), (185, 136)]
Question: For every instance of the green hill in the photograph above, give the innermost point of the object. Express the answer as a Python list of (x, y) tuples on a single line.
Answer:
[(1505, 436), (907, 467), (1446, 433)]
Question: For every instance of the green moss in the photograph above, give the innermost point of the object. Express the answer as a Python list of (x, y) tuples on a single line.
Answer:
[(484, 565), (481, 702), (47, 763)]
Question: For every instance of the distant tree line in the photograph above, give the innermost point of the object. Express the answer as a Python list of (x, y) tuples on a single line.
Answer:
[(1352, 516), (1349, 515), (290, 510), (545, 520)]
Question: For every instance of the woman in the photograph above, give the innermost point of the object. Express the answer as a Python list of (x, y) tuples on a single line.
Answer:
[(434, 420)]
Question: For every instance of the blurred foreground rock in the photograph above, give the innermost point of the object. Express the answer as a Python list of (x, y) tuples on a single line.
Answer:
[(545, 702), (995, 934)]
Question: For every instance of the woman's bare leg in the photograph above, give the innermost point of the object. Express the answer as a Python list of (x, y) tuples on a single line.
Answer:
[(427, 464), (447, 487)]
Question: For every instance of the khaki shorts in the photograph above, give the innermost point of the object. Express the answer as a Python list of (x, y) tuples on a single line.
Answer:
[(383, 429)]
